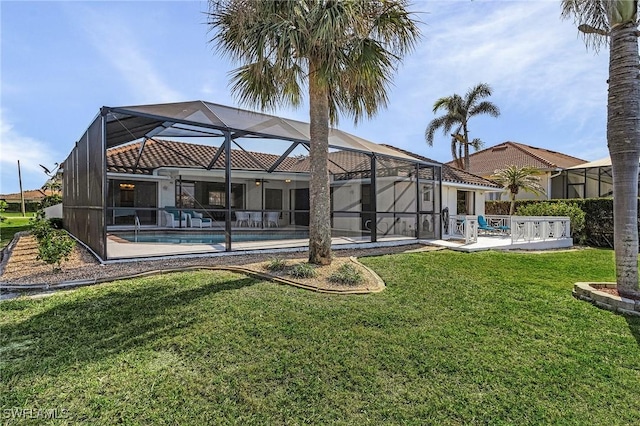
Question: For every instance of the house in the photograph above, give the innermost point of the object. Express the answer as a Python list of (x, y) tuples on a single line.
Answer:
[(462, 192), (216, 178), (32, 199), (588, 180), (549, 163)]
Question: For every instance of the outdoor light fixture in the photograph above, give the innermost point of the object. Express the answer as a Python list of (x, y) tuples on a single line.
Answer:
[(127, 186), (287, 180), (258, 182)]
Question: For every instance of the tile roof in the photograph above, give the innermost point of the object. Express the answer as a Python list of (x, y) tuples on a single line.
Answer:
[(163, 153), (486, 161), (29, 195), (451, 174)]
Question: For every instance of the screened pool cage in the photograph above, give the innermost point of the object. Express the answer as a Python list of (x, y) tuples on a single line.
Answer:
[(210, 177)]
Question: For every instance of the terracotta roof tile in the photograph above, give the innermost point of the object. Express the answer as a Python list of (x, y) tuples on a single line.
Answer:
[(486, 161), (451, 174), (162, 153)]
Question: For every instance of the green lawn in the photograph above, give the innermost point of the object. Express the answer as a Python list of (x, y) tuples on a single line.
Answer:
[(13, 223), (455, 339)]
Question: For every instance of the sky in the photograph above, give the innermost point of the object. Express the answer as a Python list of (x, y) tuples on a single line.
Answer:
[(61, 61)]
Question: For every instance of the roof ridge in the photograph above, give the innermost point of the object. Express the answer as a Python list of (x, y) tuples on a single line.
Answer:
[(524, 148)]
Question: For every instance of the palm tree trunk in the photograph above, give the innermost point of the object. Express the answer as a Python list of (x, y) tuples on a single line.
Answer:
[(466, 148), (623, 136), (512, 206), (319, 217)]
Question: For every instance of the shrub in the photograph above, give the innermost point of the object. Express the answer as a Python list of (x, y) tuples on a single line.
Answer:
[(276, 264), (571, 210), (55, 247), (3, 207), (346, 274), (40, 227), (302, 270)]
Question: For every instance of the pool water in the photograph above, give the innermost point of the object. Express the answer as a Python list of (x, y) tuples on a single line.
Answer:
[(217, 238)]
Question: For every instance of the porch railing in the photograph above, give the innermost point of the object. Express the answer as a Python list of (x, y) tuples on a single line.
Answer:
[(460, 226), (529, 228), (521, 228)]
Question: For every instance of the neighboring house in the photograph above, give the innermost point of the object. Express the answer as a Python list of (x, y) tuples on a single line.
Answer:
[(549, 163), (588, 180), (462, 192), (32, 199)]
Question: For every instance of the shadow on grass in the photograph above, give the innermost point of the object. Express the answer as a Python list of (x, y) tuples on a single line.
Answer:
[(634, 327), (92, 328)]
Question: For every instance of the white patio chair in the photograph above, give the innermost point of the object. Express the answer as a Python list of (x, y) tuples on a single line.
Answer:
[(170, 219), (198, 219), (242, 217), (271, 219), (255, 219)]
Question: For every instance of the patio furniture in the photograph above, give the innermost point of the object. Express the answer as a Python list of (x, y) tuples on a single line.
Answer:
[(242, 217), (484, 226), (271, 218), (198, 219), (174, 219), (255, 219)]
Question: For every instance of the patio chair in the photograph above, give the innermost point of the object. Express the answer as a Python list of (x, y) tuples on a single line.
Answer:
[(174, 220), (255, 219), (484, 226), (271, 218), (242, 217), (198, 219)]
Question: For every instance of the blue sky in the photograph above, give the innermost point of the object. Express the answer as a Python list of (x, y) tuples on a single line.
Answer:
[(62, 61)]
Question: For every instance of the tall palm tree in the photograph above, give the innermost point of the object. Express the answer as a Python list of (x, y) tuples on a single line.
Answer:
[(458, 111), (514, 179), (615, 22), (345, 51)]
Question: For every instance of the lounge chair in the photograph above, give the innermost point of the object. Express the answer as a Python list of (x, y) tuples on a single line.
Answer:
[(198, 219), (484, 226), (173, 219)]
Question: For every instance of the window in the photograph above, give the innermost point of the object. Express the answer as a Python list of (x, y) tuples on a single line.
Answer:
[(466, 202)]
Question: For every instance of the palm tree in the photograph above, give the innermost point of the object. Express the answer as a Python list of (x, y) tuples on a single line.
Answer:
[(458, 112), (514, 179), (345, 51), (615, 22)]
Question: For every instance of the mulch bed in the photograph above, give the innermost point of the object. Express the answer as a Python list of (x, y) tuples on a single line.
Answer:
[(22, 266)]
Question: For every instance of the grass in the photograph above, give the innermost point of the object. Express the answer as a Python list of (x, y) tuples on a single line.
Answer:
[(13, 223), (454, 339)]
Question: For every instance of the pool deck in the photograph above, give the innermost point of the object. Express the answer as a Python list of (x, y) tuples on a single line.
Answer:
[(121, 249)]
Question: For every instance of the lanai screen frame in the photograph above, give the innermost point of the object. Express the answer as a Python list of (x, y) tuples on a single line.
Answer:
[(85, 169)]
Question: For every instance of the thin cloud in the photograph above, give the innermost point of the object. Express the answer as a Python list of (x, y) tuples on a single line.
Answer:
[(31, 152), (114, 40)]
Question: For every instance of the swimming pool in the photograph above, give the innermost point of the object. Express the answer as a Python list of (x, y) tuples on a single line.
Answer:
[(209, 238)]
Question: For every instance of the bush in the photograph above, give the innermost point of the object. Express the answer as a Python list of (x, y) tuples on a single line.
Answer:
[(40, 227), (55, 247), (598, 225), (276, 264), (571, 210), (3, 207), (346, 274), (302, 270)]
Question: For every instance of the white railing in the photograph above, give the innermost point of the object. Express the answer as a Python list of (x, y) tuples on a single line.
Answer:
[(529, 228), (521, 228), (463, 227), (501, 222)]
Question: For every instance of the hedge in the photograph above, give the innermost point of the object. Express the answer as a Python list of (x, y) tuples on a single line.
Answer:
[(598, 225)]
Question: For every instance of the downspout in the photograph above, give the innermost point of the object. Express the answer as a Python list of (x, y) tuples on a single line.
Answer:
[(549, 183)]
